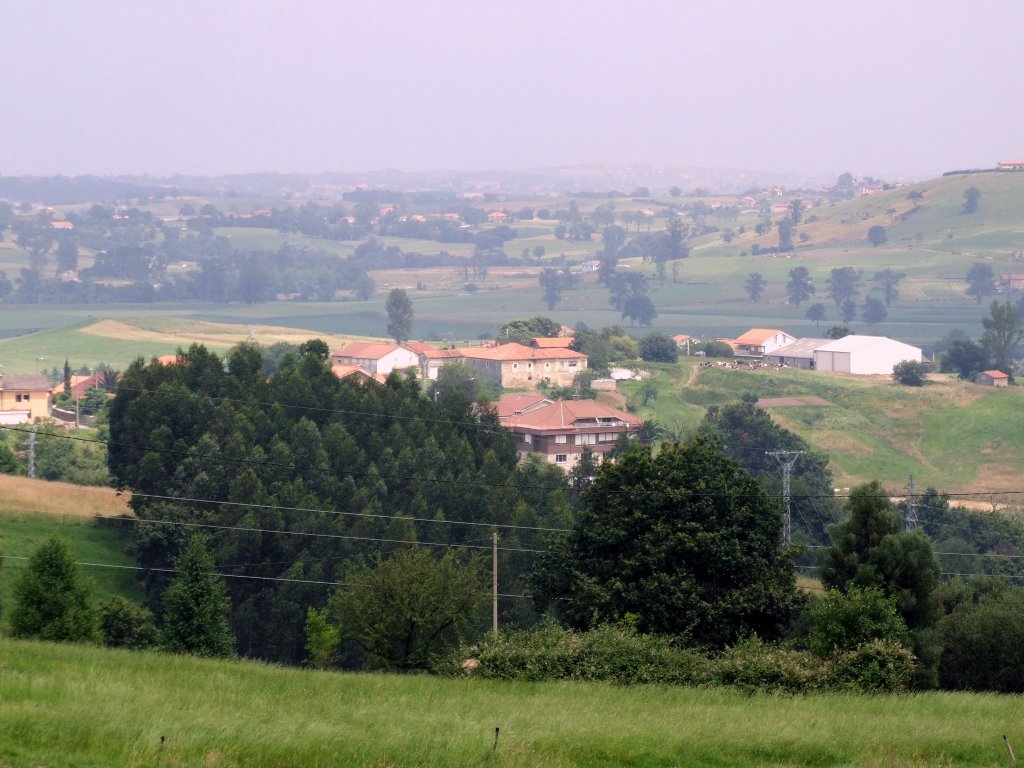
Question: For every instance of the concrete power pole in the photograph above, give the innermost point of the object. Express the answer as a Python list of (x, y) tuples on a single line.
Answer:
[(910, 515), (786, 460), (494, 582), (32, 452)]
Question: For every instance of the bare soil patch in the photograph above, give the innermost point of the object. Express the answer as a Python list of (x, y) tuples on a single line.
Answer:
[(784, 402)]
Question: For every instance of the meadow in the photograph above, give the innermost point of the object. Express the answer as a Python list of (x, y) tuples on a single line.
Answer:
[(951, 435), (31, 510), (80, 706)]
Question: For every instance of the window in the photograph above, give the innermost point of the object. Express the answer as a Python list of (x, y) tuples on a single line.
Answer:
[(560, 458), (527, 438), (514, 366), (590, 439), (561, 438), (572, 363), (546, 366), (608, 437)]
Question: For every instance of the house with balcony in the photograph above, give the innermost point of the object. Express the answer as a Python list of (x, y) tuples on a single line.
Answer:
[(560, 430), (758, 342)]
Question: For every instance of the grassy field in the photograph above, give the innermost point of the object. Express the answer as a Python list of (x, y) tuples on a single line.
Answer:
[(30, 510), (119, 341), (77, 706), (950, 434)]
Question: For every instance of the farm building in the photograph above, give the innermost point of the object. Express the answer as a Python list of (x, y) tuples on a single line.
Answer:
[(992, 379), (799, 354), (863, 354)]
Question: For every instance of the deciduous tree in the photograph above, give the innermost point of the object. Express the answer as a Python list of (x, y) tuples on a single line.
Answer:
[(800, 286), (981, 281), (754, 286), (400, 314), (402, 610), (682, 541), (1004, 331)]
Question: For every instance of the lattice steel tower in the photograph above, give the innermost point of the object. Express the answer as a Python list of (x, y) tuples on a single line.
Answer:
[(786, 459)]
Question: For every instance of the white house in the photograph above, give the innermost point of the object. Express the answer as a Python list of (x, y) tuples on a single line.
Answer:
[(863, 354), (758, 342), (375, 357)]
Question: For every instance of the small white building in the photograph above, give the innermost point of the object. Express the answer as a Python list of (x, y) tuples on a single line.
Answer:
[(376, 357), (863, 354)]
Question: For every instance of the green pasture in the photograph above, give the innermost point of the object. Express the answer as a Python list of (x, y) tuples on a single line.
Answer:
[(22, 531), (950, 435), (82, 706)]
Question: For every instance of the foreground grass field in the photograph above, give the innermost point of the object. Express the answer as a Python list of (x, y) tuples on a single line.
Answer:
[(76, 706)]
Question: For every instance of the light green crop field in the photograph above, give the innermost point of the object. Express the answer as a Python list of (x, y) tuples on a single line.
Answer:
[(80, 706)]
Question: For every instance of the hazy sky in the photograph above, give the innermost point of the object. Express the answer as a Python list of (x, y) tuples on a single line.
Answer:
[(891, 88)]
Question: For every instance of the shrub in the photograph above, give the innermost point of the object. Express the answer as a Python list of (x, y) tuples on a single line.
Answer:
[(878, 666), (658, 348), (844, 621), (753, 665), (984, 645), (910, 373), (621, 656), (125, 625), (608, 653)]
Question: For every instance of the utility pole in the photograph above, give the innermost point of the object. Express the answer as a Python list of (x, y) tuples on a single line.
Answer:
[(494, 582), (32, 452), (910, 515), (786, 460)]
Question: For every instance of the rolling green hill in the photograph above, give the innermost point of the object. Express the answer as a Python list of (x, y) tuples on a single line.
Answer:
[(952, 435), (74, 705)]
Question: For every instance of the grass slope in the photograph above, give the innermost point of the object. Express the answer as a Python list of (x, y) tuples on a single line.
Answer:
[(78, 706), (30, 510), (952, 435)]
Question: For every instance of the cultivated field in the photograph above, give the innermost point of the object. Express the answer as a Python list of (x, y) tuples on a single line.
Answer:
[(67, 705)]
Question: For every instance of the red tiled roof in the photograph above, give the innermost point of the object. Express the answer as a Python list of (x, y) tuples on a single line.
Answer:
[(344, 371), (996, 374), (30, 381), (757, 336), (551, 342), (516, 403), (571, 414), (423, 348), (366, 350), (516, 351)]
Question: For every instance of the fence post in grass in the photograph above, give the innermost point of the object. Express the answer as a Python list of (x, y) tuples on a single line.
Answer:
[(1013, 760), (494, 748), (160, 753)]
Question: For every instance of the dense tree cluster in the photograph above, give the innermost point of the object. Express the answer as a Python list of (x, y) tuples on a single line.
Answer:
[(341, 468)]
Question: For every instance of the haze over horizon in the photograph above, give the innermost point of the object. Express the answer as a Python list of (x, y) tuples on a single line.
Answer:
[(885, 89)]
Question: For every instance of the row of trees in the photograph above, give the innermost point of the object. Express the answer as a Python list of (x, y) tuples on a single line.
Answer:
[(52, 600)]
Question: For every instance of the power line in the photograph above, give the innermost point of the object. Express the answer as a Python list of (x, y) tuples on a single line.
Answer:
[(346, 537), (455, 481), (231, 575), (252, 505)]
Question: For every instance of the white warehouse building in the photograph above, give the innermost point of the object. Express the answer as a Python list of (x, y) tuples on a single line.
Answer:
[(863, 354)]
